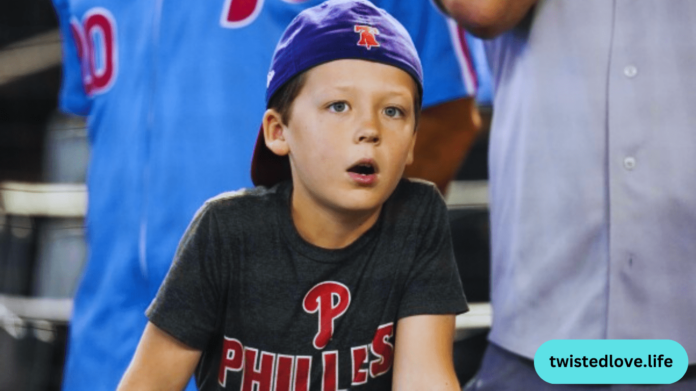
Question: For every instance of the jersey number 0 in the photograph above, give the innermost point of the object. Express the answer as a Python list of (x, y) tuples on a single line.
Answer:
[(95, 39)]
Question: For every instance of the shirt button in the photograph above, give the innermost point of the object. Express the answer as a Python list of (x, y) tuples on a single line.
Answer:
[(630, 71), (629, 163)]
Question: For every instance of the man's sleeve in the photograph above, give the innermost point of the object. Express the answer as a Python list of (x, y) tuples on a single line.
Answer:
[(73, 98), (189, 303), (448, 69), (433, 285)]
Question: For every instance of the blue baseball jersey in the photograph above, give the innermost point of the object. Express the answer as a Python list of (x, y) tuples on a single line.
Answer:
[(174, 94)]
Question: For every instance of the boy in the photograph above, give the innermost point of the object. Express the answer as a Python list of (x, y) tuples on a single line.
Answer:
[(328, 280)]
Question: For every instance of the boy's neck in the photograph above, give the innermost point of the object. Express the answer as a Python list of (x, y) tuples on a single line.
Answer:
[(327, 228)]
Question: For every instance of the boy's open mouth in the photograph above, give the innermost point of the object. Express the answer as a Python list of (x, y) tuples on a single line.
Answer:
[(363, 169), (364, 172)]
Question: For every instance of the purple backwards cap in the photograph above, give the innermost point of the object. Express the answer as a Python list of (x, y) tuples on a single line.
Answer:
[(333, 30)]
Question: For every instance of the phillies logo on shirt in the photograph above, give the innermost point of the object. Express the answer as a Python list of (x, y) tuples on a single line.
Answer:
[(367, 36), (269, 371), (331, 299)]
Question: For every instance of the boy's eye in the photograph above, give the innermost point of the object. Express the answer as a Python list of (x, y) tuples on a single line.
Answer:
[(338, 107), (393, 112)]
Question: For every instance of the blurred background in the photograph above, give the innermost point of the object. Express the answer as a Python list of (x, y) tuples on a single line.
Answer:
[(43, 157), (43, 160)]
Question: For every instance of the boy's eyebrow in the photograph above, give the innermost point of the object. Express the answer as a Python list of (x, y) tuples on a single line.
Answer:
[(400, 90)]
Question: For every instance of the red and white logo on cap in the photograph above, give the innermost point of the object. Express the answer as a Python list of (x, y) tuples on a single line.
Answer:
[(367, 36)]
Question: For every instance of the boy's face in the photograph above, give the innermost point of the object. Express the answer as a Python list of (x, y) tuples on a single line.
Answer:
[(350, 134)]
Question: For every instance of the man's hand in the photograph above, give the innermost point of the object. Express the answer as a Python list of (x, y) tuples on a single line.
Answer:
[(423, 354)]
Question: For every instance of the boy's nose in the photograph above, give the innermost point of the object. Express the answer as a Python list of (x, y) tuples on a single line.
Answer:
[(369, 137), (368, 133)]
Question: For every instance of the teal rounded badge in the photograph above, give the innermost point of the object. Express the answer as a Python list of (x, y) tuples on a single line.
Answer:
[(611, 361)]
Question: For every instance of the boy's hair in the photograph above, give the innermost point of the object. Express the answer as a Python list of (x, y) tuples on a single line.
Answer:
[(333, 30), (283, 99)]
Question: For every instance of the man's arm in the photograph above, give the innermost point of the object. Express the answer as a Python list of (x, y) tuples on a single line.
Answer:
[(423, 354), (445, 134), (161, 362), (487, 18)]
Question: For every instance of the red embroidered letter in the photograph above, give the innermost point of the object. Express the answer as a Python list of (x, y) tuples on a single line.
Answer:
[(261, 374), (283, 377), (331, 299), (330, 377), (303, 365), (232, 359), (359, 358), (240, 13), (367, 36), (382, 349)]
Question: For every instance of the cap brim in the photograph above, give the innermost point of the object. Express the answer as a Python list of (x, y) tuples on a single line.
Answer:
[(267, 168)]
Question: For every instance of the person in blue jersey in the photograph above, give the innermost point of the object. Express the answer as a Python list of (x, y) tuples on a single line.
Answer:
[(171, 89), (335, 273)]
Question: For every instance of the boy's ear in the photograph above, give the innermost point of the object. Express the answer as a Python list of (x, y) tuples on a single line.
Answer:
[(274, 133), (409, 158)]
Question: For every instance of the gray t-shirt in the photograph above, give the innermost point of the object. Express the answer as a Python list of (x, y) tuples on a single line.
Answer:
[(268, 308)]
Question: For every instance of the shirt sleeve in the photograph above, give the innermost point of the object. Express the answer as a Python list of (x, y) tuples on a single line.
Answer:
[(73, 98), (188, 304), (448, 70), (433, 285)]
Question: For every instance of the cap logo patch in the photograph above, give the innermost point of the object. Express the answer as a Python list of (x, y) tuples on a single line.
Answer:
[(367, 36)]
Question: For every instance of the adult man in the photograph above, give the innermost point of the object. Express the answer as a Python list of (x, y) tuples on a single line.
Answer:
[(171, 89), (592, 175)]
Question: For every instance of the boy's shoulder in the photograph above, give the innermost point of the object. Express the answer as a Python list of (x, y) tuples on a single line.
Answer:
[(419, 185), (416, 191), (245, 205), (242, 197), (414, 200)]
